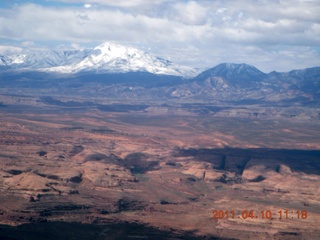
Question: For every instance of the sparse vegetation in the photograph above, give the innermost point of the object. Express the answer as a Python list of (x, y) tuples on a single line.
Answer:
[(170, 168)]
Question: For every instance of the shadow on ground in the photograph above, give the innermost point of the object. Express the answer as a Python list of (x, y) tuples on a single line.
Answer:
[(112, 231)]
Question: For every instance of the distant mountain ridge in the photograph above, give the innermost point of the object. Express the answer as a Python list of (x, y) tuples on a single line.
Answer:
[(244, 73), (243, 83), (233, 74), (232, 71), (114, 58)]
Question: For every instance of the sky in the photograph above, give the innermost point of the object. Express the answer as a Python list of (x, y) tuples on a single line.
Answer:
[(271, 35)]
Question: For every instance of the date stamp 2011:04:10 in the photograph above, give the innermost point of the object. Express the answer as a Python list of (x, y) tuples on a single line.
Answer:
[(264, 214)]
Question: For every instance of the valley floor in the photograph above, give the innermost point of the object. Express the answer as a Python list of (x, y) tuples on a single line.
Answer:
[(195, 175)]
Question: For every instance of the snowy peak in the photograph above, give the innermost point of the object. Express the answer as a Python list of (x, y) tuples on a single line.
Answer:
[(116, 58), (114, 50), (112, 57), (107, 57), (108, 52)]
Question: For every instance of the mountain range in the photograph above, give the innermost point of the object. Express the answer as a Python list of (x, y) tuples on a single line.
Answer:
[(105, 58), (152, 78), (242, 82)]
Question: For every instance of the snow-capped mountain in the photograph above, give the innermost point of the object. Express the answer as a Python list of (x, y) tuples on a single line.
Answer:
[(45, 59), (107, 57)]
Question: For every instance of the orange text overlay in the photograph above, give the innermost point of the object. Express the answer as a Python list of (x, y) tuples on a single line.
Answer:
[(263, 214)]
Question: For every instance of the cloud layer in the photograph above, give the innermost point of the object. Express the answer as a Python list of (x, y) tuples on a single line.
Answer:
[(272, 35)]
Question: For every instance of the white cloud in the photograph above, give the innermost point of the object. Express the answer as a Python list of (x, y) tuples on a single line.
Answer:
[(121, 3), (27, 44), (9, 50), (76, 46), (190, 13), (200, 33), (87, 5)]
